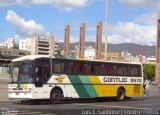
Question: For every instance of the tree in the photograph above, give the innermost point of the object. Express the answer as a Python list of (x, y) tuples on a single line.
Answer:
[(149, 71), (59, 54)]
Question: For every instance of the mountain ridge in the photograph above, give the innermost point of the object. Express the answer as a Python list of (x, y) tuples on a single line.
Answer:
[(134, 49)]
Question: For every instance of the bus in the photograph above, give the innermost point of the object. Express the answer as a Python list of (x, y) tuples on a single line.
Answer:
[(39, 77)]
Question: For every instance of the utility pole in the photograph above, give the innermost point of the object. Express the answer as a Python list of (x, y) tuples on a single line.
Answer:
[(106, 30)]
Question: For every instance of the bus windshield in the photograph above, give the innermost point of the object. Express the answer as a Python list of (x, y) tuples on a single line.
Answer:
[(21, 72)]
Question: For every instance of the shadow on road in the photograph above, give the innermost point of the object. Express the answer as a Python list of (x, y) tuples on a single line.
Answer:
[(76, 100)]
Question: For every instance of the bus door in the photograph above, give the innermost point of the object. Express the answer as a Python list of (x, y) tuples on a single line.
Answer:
[(42, 73)]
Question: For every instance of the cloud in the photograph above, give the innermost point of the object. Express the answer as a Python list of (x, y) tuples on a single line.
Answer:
[(63, 4), (134, 32), (9, 2), (151, 4), (60, 4), (27, 28), (147, 19)]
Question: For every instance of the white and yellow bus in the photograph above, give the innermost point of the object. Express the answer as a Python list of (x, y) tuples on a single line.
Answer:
[(37, 77)]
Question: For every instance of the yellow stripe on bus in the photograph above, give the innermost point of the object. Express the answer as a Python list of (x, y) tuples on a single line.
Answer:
[(100, 88), (25, 86)]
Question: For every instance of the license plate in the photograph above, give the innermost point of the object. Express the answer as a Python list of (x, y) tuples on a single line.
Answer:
[(17, 93)]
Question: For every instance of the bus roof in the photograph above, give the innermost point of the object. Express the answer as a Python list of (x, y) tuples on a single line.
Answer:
[(32, 57)]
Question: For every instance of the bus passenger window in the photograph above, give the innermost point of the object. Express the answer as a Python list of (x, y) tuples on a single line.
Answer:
[(38, 74), (119, 70), (76, 68), (65, 67), (83, 68), (113, 70), (125, 70), (46, 73), (105, 69), (91, 69), (57, 67), (97, 68)]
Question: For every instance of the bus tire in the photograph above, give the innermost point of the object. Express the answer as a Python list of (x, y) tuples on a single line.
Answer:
[(56, 96), (120, 94)]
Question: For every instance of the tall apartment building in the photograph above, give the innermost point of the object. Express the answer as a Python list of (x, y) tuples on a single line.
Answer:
[(158, 50), (43, 45), (98, 40), (39, 45), (66, 40), (82, 40)]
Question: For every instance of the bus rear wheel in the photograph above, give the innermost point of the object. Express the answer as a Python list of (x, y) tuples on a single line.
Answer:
[(56, 96), (120, 94)]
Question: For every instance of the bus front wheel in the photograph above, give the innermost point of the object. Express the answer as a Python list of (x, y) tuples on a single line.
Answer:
[(120, 94), (56, 96)]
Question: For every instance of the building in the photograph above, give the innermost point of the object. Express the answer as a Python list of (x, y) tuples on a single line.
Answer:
[(25, 44), (151, 59), (113, 56), (81, 46), (56, 47), (6, 55), (66, 40), (10, 43), (89, 53), (43, 45), (98, 40), (39, 45), (158, 49)]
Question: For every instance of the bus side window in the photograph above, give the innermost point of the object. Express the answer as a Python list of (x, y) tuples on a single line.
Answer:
[(46, 73), (119, 70), (83, 68), (97, 68), (125, 70), (56, 67), (113, 69), (105, 69), (91, 69), (76, 68), (38, 73)]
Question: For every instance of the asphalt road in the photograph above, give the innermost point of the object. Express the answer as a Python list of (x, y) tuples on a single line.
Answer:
[(134, 106)]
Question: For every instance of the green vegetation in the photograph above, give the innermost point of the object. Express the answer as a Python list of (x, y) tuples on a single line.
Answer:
[(59, 54), (149, 71)]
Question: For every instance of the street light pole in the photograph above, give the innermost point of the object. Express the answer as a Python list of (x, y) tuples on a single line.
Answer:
[(106, 30)]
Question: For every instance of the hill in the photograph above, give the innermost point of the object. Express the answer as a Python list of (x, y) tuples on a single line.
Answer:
[(134, 49)]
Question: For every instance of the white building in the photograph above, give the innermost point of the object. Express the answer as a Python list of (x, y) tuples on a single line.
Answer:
[(89, 53), (10, 43), (56, 47), (151, 59), (26, 44), (23, 44), (2, 44)]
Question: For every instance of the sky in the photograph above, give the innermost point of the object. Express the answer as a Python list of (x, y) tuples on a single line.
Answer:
[(129, 21)]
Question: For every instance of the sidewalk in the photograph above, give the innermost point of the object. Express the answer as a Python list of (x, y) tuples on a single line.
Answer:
[(153, 91), (4, 90)]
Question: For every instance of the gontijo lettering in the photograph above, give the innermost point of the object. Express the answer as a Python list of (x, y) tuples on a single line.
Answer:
[(109, 79)]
